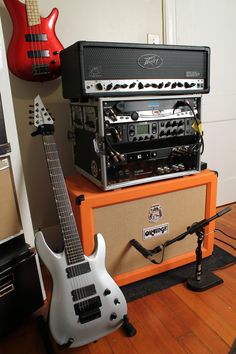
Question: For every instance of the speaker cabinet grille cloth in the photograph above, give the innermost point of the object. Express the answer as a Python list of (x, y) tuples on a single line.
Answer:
[(152, 214), (10, 223)]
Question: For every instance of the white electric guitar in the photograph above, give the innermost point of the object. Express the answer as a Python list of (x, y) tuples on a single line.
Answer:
[(86, 302)]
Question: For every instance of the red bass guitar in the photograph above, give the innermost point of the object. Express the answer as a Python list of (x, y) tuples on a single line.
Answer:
[(33, 52)]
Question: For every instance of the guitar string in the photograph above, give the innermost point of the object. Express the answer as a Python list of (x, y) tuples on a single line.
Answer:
[(35, 32), (50, 157), (55, 181), (75, 281), (31, 30), (39, 46)]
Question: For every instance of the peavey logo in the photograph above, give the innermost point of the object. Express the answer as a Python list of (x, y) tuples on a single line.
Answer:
[(150, 61), (94, 71)]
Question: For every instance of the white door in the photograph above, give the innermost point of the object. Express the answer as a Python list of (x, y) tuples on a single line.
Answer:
[(212, 23)]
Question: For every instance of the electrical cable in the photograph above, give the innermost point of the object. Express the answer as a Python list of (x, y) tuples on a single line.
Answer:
[(224, 233), (115, 155), (227, 243), (200, 144)]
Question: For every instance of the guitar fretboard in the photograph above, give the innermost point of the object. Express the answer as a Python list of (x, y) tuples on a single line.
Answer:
[(73, 248), (32, 11)]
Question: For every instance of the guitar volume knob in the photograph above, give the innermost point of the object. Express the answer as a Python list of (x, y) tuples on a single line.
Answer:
[(106, 292), (113, 316)]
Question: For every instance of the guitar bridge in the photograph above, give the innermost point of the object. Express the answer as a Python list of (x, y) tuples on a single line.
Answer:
[(88, 310), (40, 69)]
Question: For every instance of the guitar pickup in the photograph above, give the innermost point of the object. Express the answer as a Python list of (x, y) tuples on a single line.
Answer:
[(36, 37), (38, 54), (78, 269), (83, 292)]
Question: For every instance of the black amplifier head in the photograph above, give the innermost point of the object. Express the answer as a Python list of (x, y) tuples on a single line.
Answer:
[(98, 69)]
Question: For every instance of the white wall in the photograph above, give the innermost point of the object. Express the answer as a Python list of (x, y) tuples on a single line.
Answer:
[(100, 20), (212, 23)]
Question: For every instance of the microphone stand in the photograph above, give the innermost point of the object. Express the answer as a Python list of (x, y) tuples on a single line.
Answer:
[(201, 280)]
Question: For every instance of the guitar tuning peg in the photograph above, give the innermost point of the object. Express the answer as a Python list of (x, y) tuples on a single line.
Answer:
[(31, 105), (31, 117), (31, 123), (31, 112)]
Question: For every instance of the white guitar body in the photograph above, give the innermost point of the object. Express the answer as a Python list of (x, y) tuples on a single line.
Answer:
[(65, 325), (86, 303)]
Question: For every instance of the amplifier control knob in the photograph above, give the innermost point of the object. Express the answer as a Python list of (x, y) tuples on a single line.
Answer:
[(173, 86), (140, 86), (116, 87), (186, 85), (168, 124), (134, 115), (99, 86), (109, 87), (168, 84), (132, 85), (154, 85), (168, 132), (174, 132), (162, 133), (160, 85)]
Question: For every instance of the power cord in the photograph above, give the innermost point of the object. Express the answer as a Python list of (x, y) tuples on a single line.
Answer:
[(224, 233), (227, 235), (226, 243)]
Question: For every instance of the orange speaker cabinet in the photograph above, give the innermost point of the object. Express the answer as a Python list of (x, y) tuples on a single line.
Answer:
[(151, 213)]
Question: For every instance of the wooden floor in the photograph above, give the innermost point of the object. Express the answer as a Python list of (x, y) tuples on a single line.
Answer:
[(175, 320)]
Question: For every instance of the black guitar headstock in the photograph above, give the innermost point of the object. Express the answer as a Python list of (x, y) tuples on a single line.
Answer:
[(42, 119)]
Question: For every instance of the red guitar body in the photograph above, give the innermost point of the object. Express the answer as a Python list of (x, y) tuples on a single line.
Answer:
[(33, 52)]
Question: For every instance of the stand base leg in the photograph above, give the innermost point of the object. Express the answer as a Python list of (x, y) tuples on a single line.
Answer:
[(128, 327), (208, 280)]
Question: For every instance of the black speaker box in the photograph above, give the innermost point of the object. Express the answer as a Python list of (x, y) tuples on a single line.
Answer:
[(20, 289)]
